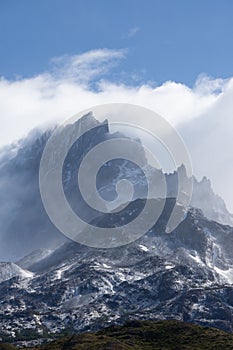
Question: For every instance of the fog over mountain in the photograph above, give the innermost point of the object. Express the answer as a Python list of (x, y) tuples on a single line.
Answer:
[(201, 113), (25, 225)]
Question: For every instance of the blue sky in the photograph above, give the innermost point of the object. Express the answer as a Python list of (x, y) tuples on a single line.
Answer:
[(166, 39)]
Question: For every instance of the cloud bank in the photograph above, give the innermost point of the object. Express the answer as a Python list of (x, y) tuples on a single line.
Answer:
[(202, 114)]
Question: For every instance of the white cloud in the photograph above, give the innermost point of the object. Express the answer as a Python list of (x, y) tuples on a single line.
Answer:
[(203, 114), (85, 67)]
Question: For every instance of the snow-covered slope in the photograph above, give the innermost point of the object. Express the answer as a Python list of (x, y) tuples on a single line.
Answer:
[(9, 270), (187, 275)]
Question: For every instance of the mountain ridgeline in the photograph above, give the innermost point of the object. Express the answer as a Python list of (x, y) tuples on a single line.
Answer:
[(24, 224)]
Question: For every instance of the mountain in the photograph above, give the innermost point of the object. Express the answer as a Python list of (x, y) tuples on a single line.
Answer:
[(149, 335), (10, 270), (53, 284), (212, 205), (184, 275), (24, 224)]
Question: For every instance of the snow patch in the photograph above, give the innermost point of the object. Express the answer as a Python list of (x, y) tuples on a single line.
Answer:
[(169, 267), (144, 248), (226, 274), (10, 270)]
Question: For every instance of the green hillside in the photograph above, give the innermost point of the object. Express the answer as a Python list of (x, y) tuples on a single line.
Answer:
[(147, 335)]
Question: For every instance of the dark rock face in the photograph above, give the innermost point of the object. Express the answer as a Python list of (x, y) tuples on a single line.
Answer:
[(24, 224), (185, 275)]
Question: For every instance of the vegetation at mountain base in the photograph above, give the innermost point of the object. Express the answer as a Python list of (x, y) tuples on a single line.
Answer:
[(143, 335)]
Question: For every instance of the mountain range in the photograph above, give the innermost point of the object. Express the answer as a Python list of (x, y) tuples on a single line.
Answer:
[(50, 284)]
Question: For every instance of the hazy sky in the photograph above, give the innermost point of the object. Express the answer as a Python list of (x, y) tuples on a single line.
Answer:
[(175, 57)]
